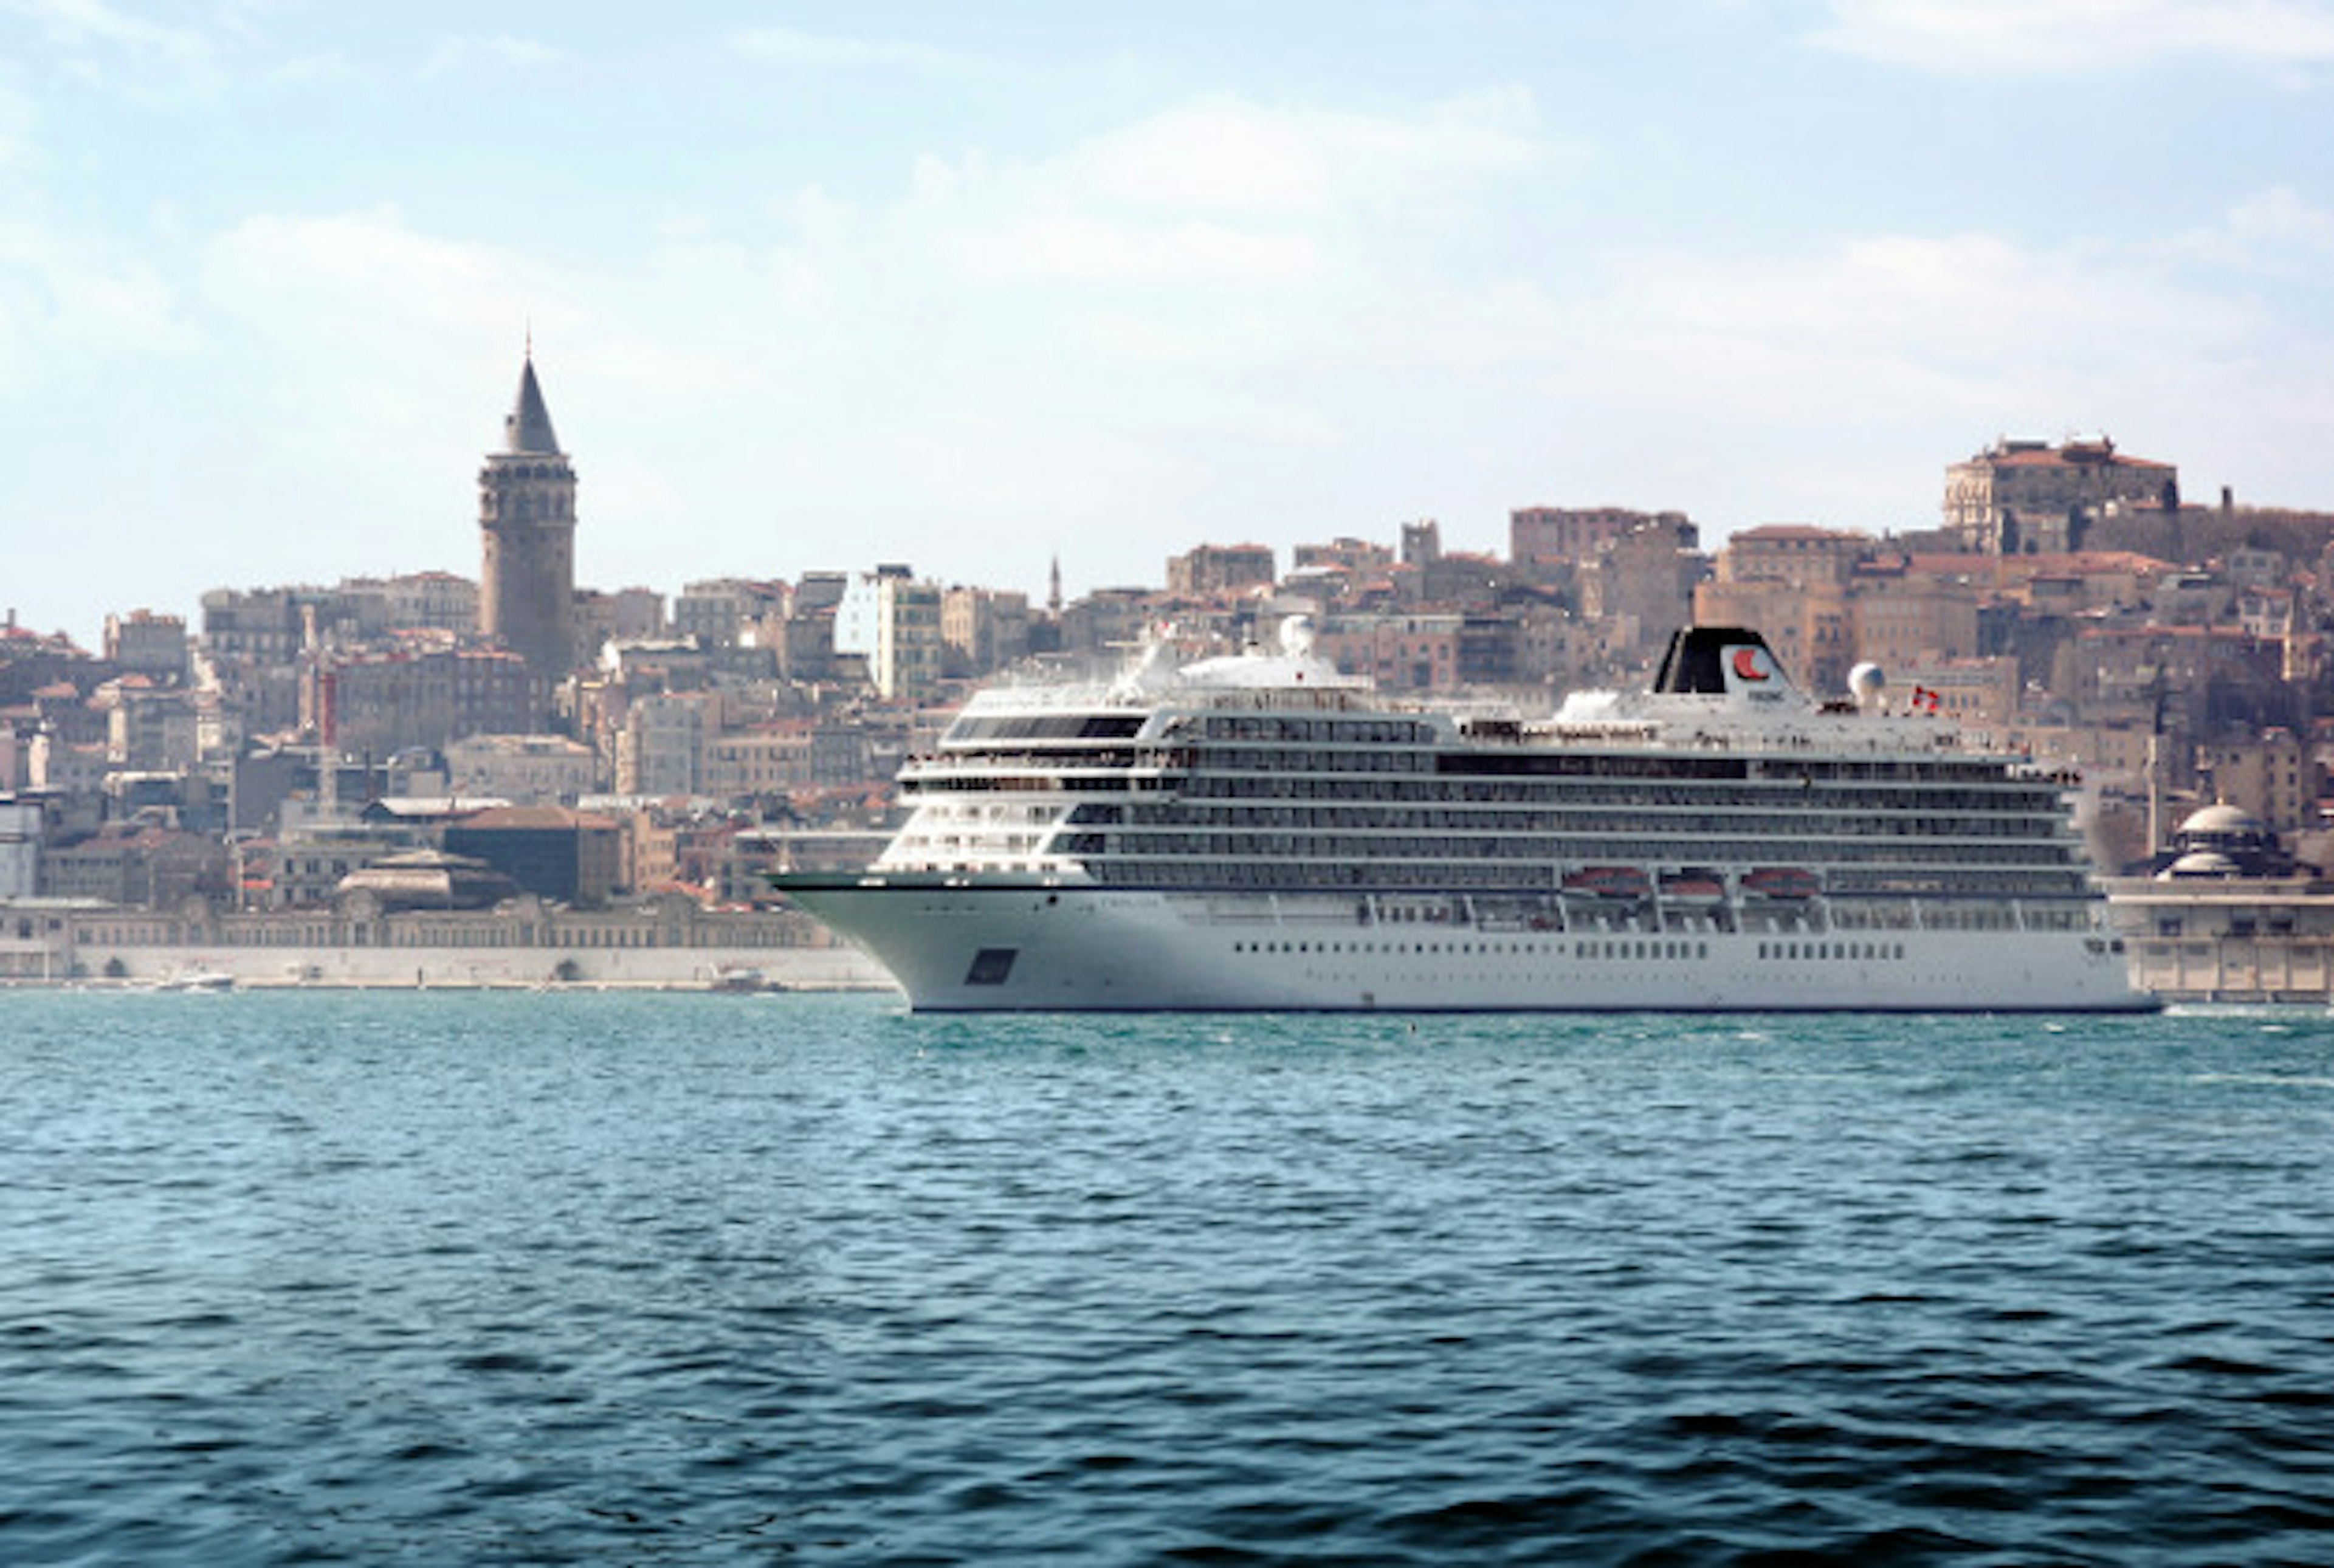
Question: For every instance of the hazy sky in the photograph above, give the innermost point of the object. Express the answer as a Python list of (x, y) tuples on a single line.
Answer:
[(965, 285)]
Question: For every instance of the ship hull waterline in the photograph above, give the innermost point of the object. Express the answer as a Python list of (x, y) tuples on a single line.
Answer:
[(957, 944)]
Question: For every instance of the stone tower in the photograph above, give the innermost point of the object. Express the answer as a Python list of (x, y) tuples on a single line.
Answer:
[(526, 513)]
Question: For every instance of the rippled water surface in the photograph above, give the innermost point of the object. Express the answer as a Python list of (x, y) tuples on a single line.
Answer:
[(482, 1278)]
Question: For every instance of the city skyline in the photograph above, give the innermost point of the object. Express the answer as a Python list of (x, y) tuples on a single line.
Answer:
[(975, 292)]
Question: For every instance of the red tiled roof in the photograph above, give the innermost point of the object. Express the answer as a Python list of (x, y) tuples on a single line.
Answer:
[(524, 817), (2077, 454), (1799, 530)]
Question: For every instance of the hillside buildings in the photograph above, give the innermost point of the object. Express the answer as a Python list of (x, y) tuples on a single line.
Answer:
[(253, 761)]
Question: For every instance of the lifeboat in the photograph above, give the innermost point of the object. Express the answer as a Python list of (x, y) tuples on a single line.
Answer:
[(1607, 883), (1694, 887), (1782, 882)]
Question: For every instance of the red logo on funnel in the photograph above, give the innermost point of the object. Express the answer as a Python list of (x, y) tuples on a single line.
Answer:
[(1746, 664)]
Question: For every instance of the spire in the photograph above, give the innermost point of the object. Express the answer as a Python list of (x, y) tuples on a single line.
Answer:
[(527, 427)]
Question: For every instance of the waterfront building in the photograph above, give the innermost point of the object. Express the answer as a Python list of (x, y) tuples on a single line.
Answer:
[(2024, 497), (1395, 652), (1357, 557), (770, 760), (415, 601), (893, 622), (1545, 539), (638, 612), (20, 848), (1211, 571), (134, 863), (1640, 585), (56, 766), (145, 643), (1899, 617), (356, 941), (149, 728), (2228, 916), (2269, 775), (384, 702), (305, 868), (983, 628), (1793, 552), (661, 745), (716, 613), (415, 879), (527, 522), (526, 769), (571, 857)]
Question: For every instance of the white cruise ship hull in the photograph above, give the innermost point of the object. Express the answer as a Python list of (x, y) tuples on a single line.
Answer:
[(958, 944)]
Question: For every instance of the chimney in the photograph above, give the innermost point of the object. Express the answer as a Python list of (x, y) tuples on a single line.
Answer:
[(2228, 500)]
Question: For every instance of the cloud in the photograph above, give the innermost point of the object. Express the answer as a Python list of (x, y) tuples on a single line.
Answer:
[(17, 121), (499, 52), (2067, 37), (113, 48), (2274, 233), (795, 46), (70, 307), (1226, 154), (1900, 327), (343, 324), (1224, 192)]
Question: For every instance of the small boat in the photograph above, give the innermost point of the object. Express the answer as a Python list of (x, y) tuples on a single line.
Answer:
[(1694, 887), (740, 977), (1782, 882), (1608, 882), (196, 980)]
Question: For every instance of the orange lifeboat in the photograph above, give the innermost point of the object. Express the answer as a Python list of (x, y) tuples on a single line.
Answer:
[(1782, 882), (1694, 887), (1607, 883)]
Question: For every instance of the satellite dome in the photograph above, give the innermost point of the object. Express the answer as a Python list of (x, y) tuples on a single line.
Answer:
[(1866, 682)]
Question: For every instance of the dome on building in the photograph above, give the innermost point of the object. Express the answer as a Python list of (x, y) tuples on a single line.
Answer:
[(2224, 821), (2200, 863), (431, 880)]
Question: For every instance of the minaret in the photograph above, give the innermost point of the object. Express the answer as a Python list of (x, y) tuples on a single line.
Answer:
[(526, 513)]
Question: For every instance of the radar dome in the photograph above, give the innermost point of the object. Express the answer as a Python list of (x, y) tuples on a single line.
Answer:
[(1297, 637), (1865, 682)]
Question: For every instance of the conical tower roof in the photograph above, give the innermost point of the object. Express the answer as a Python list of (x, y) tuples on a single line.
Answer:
[(527, 427)]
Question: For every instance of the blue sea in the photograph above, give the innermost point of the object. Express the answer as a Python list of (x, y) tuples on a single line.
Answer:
[(326, 1277)]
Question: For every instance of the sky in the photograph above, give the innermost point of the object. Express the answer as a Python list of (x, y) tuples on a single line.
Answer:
[(973, 287)]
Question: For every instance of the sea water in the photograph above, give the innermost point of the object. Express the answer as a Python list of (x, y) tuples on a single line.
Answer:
[(647, 1278)]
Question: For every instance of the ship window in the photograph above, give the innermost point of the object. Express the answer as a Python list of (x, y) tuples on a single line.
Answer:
[(990, 966)]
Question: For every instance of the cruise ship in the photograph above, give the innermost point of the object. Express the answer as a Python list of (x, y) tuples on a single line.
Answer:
[(1262, 832)]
